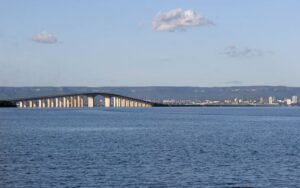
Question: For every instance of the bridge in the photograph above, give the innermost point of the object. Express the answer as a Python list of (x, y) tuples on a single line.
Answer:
[(81, 100)]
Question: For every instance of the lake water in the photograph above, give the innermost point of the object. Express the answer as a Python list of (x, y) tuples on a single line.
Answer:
[(155, 147)]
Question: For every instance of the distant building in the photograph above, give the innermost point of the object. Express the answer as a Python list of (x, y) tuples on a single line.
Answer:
[(261, 100), (295, 99), (288, 101), (270, 100)]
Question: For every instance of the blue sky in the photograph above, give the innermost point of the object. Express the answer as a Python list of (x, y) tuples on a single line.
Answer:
[(149, 43)]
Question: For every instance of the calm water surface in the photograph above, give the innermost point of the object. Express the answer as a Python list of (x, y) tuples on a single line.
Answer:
[(157, 147)]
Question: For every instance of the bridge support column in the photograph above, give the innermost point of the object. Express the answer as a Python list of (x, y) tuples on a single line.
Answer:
[(67, 102), (25, 104), (21, 104), (81, 101), (64, 102), (90, 100), (48, 103), (122, 103), (78, 101), (59, 102), (75, 102), (34, 104), (107, 101), (71, 102), (51, 103), (30, 104), (43, 103), (114, 102), (56, 103), (118, 102)]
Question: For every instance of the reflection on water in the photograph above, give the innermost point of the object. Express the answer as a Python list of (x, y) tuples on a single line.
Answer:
[(157, 147)]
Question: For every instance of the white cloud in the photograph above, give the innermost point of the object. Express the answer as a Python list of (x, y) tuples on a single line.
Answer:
[(236, 52), (44, 37), (177, 19)]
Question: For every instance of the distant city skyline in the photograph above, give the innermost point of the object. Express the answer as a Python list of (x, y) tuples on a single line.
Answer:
[(149, 43)]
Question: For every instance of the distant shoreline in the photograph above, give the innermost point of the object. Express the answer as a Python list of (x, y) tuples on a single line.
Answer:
[(222, 105)]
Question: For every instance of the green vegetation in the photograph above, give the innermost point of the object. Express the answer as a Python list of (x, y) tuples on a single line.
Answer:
[(7, 104)]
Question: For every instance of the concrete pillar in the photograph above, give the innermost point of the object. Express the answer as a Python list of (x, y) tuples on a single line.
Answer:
[(114, 102), (43, 103), (30, 104), (81, 101), (107, 101), (90, 100), (20, 104), (75, 102), (131, 103), (34, 104), (56, 103), (25, 104), (67, 102), (52, 103), (71, 102), (39, 103), (78, 101), (64, 102), (48, 103), (122, 103), (126, 103), (117, 102), (60, 102)]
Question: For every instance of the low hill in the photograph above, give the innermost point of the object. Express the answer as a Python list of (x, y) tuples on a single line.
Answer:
[(157, 93)]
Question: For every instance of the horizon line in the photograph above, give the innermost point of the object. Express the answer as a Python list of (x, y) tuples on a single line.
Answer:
[(150, 86)]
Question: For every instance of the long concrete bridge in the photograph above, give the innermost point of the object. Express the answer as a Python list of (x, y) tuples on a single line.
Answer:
[(81, 100)]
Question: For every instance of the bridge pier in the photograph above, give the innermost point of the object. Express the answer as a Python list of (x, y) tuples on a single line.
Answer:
[(30, 104), (20, 104), (81, 101), (90, 100), (43, 103), (74, 102), (106, 101), (119, 102), (51, 103), (56, 103), (64, 102)]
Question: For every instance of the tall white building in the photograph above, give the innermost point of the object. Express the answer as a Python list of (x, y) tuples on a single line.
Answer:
[(294, 99), (270, 100), (288, 101)]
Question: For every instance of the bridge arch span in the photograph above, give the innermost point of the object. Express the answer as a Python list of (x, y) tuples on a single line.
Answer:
[(80, 100)]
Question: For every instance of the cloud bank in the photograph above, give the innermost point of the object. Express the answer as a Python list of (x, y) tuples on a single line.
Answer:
[(177, 19), (44, 37), (235, 52)]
